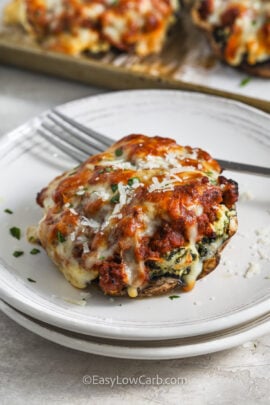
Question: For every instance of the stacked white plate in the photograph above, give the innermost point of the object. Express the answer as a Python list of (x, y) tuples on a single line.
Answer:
[(228, 307)]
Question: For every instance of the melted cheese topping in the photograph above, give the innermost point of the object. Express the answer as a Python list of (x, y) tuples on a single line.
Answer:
[(243, 25), (75, 26), (138, 211)]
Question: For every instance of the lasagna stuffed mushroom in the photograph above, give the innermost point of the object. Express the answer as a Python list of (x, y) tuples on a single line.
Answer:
[(76, 26), (239, 31), (143, 218)]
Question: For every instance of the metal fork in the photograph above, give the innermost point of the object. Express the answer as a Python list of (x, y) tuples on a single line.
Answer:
[(79, 141)]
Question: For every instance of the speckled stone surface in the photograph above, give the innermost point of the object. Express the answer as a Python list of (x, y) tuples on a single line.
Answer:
[(36, 371)]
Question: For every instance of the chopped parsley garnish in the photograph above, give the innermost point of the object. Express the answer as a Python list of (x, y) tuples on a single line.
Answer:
[(101, 258), (118, 152), (60, 237), (212, 181), (15, 232), (114, 187), (115, 198), (34, 251), (106, 170), (173, 297), (133, 180), (245, 81), (18, 253), (31, 280), (8, 211)]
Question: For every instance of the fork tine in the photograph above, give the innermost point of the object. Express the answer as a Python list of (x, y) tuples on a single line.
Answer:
[(103, 139), (77, 134), (71, 137), (64, 147)]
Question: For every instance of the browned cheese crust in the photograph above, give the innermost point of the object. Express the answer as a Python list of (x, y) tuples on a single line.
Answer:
[(143, 218)]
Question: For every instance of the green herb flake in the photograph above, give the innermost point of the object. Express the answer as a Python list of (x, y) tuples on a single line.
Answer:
[(245, 81), (108, 169), (18, 253), (8, 211), (31, 280), (34, 251), (173, 297), (114, 187), (15, 232), (118, 152), (133, 180), (101, 258), (60, 237), (115, 198)]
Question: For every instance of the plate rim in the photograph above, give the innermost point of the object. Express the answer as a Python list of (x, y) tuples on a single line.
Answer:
[(100, 330), (232, 339)]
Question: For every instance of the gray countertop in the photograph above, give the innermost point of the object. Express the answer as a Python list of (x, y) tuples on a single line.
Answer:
[(36, 371)]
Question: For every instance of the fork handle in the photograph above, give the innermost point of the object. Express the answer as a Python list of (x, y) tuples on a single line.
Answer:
[(244, 168)]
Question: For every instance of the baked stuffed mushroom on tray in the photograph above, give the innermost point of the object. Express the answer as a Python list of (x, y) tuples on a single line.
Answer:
[(145, 217), (77, 26), (239, 32)]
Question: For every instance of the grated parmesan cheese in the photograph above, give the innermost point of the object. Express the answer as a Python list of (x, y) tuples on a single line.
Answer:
[(72, 236), (89, 222), (86, 247), (73, 211), (166, 184), (252, 270)]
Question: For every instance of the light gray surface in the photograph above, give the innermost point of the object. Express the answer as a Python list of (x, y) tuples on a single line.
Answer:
[(35, 371)]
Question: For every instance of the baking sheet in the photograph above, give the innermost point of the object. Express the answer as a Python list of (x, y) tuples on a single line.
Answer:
[(185, 63)]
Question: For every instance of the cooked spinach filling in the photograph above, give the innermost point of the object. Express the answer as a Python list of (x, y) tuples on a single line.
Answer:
[(182, 262), (172, 264)]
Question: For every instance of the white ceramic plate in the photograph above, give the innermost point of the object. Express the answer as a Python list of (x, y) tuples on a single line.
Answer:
[(161, 350), (222, 300)]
